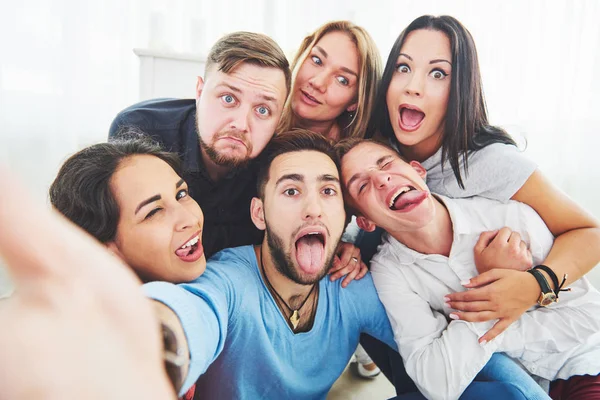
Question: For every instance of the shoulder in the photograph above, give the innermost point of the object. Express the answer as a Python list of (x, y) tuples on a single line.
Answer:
[(234, 263), (154, 116), (496, 171)]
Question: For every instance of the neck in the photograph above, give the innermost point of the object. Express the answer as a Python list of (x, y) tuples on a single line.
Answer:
[(329, 129), (434, 238), (293, 293), (423, 150), (215, 172)]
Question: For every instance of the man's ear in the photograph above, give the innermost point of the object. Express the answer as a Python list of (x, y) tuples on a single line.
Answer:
[(365, 224), (419, 168), (257, 213), (199, 87)]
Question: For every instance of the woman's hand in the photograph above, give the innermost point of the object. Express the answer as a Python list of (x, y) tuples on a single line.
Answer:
[(502, 294), (347, 262), (77, 325)]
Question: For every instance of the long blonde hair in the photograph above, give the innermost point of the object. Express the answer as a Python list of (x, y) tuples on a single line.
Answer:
[(370, 70)]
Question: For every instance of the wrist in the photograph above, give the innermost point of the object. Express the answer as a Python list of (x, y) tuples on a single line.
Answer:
[(533, 288)]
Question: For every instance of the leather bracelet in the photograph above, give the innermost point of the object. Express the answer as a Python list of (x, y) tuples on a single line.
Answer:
[(551, 274), (547, 295), (557, 287)]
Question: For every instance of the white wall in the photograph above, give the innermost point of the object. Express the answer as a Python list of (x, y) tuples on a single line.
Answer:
[(67, 67)]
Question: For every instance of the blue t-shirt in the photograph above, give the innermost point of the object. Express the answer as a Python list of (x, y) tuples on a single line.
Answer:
[(243, 347)]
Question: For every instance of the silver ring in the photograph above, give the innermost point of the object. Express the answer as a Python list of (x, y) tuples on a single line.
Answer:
[(354, 259)]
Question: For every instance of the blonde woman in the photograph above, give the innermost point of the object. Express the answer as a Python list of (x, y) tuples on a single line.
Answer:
[(335, 73)]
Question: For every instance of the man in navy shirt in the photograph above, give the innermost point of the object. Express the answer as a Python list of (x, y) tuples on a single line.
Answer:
[(234, 115)]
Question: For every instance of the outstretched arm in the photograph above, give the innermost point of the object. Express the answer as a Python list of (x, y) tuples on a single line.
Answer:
[(77, 324)]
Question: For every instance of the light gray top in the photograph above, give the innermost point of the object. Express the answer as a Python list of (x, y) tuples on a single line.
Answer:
[(496, 172)]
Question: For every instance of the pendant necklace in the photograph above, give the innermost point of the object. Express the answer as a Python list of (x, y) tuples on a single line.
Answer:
[(294, 319)]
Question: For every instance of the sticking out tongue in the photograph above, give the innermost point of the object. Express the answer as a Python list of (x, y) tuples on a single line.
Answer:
[(309, 253), (411, 118), (407, 199), (184, 252)]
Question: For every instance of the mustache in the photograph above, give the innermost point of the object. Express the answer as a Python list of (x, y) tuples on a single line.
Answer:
[(233, 133), (318, 223)]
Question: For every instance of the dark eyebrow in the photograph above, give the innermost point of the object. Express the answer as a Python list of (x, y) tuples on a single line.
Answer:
[(322, 51), (328, 178), (292, 177), (380, 161), (439, 60), (154, 198)]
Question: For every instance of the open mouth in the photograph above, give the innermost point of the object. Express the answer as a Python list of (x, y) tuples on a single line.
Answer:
[(191, 250), (310, 250), (406, 198), (411, 117)]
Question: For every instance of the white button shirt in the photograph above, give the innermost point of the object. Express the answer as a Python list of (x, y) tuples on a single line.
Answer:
[(443, 357)]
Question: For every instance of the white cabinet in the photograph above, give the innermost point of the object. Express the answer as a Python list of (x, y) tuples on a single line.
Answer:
[(165, 74)]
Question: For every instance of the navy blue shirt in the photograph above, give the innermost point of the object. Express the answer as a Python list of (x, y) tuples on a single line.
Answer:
[(226, 203)]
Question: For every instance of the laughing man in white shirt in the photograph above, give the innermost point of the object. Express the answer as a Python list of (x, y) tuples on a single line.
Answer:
[(428, 251)]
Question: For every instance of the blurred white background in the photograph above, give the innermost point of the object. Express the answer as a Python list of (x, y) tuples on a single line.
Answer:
[(67, 67)]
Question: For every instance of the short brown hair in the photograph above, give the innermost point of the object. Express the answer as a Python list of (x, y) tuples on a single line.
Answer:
[(248, 47), (288, 142), (344, 146)]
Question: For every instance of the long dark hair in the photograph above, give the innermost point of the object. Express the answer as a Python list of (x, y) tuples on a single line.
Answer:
[(467, 127), (81, 190)]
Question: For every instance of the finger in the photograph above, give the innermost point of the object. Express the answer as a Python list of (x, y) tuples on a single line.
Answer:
[(363, 271), (497, 329), (350, 277), (503, 235), (479, 294), (470, 305), (341, 272), (473, 316), (523, 246), (346, 253), (483, 279), (336, 265), (514, 241), (484, 240)]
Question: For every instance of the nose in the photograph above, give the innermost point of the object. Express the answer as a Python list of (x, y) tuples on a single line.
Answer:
[(319, 81), (414, 86), (312, 207), (185, 219), (240, 119), (381, 179)]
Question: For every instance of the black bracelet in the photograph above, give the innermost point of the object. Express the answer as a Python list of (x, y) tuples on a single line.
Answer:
[(557, 287)]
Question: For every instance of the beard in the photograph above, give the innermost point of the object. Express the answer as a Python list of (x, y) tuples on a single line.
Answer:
[(221, 159), (285, 265)]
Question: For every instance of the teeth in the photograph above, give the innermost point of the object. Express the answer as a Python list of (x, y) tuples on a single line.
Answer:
[(314, 233), (398, 193), (192, 242)]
